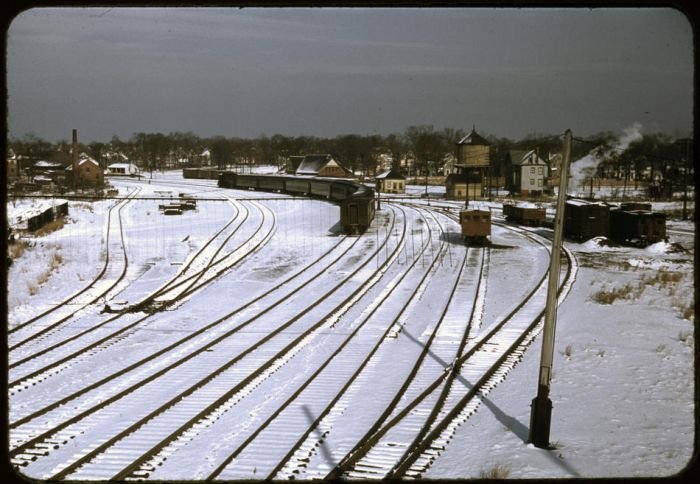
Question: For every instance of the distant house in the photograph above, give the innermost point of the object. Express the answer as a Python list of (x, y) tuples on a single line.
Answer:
[(391, 181), (449, 166), (322, 165), (87, 172), (526, 172), (126, 169)]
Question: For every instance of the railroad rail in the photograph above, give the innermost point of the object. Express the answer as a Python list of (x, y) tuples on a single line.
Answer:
[(92, 285), (391, 453), (127, 317), (23, 451)]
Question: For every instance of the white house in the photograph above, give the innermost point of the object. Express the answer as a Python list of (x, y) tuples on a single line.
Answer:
[(527, 173), (127, 169)]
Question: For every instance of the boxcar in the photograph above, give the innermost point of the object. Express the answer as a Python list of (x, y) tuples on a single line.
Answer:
[(637, 227), (271, 183), (357, 211), (296, 186), (227, 179), (320, 188), (628, 206), (584, 220), (203, 173), (247, 182), (476, 226), (532, 216)]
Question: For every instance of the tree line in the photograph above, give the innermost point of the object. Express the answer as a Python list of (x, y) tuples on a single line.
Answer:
[(426, 149)]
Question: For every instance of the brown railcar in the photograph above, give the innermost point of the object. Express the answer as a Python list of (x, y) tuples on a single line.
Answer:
[(629, 206), (637, 227), (532, 216), (476, 226), (584, 220)]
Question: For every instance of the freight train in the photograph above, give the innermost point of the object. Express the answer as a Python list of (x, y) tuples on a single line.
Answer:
[(630, 223), (356, 201)]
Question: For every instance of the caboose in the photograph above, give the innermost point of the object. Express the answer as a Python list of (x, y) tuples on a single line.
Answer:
[(476, 226)]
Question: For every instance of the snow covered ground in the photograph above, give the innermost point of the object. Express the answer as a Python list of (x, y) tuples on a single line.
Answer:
[(623, 384)]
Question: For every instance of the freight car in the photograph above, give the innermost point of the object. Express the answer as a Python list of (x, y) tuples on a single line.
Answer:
[(629, 206), (476, 226), (584, 220), (356, 201), (524, 215), (206, 173), (637, 227)]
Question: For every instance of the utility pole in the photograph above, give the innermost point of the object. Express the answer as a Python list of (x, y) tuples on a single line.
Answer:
[(541, 413)]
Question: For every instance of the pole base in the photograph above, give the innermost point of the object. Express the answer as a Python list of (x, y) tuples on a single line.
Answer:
[(540, 421)]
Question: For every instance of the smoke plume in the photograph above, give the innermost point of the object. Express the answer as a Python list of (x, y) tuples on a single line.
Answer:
[(583, 169)]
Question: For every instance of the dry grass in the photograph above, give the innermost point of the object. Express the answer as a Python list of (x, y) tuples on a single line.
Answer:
[(54, 263), (568, 351), (51, 227), (610, 296), (663, 278), (16, 250), (499, 471)]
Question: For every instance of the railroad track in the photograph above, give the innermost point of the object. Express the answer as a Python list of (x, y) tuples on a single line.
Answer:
[(31, 369), (63, 310), (74, 315), (398, 450), (29, 438), (143, 466), (138, 449)]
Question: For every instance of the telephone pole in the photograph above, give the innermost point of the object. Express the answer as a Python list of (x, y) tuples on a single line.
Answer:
[(541, 413)]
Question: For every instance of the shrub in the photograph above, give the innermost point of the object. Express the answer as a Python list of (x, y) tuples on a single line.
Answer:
[(609, 297), (499, 471), (16, 250)]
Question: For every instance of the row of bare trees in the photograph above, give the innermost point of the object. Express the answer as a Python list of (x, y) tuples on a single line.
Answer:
[(423, 148)]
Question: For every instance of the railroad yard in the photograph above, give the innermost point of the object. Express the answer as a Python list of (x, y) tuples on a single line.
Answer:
[(249, 337)]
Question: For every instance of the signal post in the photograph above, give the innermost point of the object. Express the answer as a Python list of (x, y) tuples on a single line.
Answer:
[(541, 413)]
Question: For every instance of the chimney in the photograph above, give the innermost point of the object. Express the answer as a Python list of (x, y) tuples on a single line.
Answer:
[(74, 153)]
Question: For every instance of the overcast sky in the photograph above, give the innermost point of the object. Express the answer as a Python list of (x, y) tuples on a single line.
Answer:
[(324, 72)]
